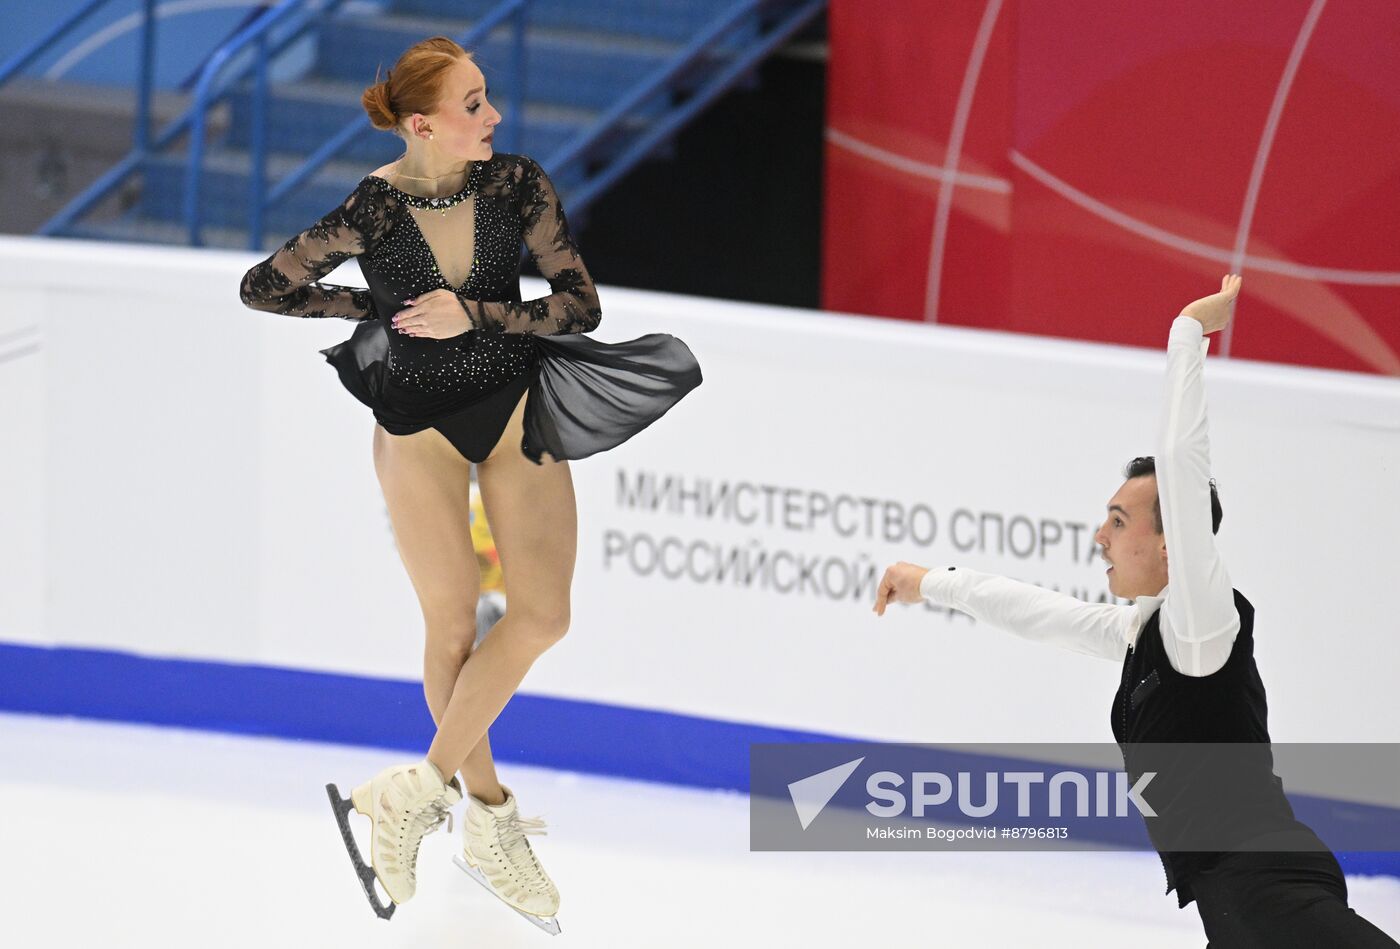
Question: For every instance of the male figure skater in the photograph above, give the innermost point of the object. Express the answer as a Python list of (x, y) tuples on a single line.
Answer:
[(1188, 670)]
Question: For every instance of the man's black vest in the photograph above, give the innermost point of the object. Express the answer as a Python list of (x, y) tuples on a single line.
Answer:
[(1228, 797)]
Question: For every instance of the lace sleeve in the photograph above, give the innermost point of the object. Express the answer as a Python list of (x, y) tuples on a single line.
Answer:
[(287, 281), (572, 305)]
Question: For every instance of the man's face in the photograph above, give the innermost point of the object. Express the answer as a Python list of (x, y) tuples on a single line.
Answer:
[(1135, 549)]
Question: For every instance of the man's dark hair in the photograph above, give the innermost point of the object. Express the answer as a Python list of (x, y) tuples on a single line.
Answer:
[(1147, 465)]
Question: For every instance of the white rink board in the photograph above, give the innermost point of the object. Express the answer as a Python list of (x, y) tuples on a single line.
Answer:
[(187, 477)]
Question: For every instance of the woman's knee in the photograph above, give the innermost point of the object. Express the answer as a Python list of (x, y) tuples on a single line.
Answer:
[(451, 634), (539, 626)]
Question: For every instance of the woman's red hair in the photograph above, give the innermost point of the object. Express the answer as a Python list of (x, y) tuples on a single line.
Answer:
[(414, 84)]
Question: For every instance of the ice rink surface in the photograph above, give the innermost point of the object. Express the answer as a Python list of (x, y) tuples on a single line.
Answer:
[(122, 835)]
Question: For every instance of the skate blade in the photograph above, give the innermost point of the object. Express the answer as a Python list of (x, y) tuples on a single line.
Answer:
[(549, 924), (342, 810)]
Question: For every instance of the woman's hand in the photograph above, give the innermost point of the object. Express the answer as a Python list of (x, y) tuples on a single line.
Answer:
[(437, 314), (1213, 312)]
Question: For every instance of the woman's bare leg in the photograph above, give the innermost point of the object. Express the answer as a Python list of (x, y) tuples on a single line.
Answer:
[(535, 525), (426, 484)]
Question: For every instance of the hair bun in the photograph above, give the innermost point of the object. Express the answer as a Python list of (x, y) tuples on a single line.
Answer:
[(417, 78), (375, 100)]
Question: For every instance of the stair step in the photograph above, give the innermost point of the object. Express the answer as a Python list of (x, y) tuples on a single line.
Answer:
[(417, 27), (673, 20), (142, 230), (562, 69), (224, 192)]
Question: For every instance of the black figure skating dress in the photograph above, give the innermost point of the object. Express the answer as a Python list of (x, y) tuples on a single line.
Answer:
[(584, 396)]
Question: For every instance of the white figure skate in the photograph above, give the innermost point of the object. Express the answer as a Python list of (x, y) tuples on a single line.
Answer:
[(404, 803), (496, 854)]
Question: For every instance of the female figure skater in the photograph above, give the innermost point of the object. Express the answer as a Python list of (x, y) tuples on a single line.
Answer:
[(458, 371)]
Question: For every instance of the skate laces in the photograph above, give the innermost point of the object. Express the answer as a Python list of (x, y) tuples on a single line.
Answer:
[(428, 819), (511, 832)]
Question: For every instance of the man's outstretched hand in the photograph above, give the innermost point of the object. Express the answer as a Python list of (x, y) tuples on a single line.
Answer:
[(900, 584), (1213, 312)]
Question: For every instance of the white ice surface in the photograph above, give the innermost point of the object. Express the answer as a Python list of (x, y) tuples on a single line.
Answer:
[(120, 835)]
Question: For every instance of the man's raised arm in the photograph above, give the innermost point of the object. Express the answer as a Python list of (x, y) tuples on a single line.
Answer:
[(1199, 620)]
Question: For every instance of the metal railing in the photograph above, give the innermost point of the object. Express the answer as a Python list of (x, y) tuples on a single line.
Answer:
[(663, 80), (212, 87), (253, 49), (145, 77), (227, 66), (146, 146)]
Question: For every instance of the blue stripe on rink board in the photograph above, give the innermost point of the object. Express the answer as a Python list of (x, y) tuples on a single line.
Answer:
[(384, 713), (389, 713)]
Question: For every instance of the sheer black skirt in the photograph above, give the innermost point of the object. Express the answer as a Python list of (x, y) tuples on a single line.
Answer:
[(585, 396)]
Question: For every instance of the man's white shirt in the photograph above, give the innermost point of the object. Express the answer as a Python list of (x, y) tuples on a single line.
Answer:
[(1199, 621)]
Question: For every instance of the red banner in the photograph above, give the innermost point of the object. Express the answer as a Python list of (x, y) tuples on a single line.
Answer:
[(1081, 168)]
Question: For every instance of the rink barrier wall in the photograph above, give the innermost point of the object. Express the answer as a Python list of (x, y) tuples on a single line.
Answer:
[(194, 483), (208, 492), (571, 735)]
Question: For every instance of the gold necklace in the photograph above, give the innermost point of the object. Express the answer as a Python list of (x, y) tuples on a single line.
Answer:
[(444, 203), (464, 170), (438, 178)]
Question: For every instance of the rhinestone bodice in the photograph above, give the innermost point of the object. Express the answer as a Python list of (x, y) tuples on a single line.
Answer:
[(403, 264), (398, 237)]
